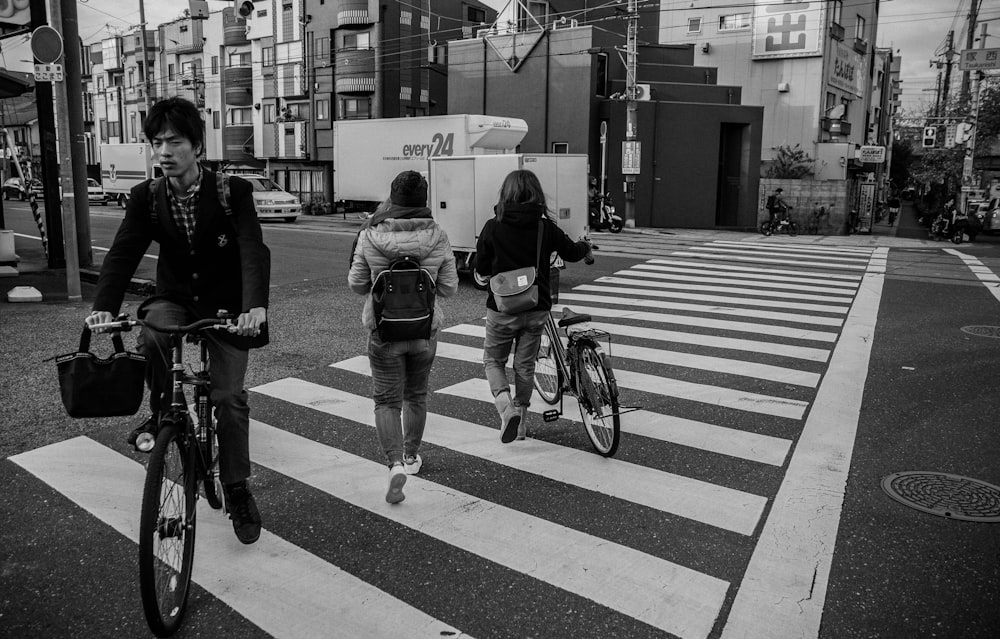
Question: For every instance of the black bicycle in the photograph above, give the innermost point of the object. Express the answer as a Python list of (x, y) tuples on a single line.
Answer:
[(580, 368), (184, 457)]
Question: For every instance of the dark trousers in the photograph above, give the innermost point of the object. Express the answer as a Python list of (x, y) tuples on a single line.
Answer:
[(227, 370)]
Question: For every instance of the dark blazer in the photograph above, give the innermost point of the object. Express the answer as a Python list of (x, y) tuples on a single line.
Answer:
[(228, 266)]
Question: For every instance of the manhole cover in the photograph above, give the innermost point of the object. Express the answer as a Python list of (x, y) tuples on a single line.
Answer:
[(945, 495), (982, 331)]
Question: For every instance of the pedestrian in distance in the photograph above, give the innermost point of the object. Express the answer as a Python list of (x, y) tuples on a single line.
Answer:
[(776, 205), (519, 235), (212, 256), (402, 231)]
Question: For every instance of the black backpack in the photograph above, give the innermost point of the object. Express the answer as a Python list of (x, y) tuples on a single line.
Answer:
[(403, 301), (770, 203)]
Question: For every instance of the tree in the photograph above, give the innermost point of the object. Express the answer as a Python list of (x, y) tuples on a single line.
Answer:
[(790, 162)]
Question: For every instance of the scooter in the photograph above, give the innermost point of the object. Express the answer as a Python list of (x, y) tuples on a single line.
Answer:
[(603, 216)]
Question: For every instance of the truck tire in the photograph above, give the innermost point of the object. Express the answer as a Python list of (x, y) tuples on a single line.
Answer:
[(123, 200)]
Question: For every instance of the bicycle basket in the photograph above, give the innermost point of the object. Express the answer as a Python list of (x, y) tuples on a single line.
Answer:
[(92, 386)]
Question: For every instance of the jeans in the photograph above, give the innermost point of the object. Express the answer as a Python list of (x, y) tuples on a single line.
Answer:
[(400, 374), (228, 367), (523, 332)]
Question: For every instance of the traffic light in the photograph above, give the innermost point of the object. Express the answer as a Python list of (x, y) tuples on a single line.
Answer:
[(243, 8), (930, 137)]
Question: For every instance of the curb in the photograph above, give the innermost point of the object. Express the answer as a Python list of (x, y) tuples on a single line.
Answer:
[(141, 287)]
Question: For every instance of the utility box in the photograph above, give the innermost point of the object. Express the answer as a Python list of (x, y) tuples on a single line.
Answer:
[(464, 190)]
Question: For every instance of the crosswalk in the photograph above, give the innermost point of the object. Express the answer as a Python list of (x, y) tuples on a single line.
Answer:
[(745, 360)]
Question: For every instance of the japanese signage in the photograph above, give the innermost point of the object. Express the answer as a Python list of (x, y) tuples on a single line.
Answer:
[(784, 29), (979, 59), (872, 154), (866, 204), (631, 154), (846, 70)]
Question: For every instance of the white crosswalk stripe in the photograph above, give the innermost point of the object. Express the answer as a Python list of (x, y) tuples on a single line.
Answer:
[(692, 327)]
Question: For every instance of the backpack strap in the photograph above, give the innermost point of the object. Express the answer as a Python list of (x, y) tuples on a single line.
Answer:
[(154, 190)]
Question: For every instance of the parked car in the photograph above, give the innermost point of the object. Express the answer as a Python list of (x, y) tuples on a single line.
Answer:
[(14, 189), (989, 213), (271, 201), (95, 193)]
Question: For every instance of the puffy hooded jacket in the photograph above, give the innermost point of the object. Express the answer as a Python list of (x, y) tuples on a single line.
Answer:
[(416, 236), (511, 242)]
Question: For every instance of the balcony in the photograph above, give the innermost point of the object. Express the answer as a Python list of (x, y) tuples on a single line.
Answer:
[(836, 31), (835, 127), (239, 86), (354, 12), (355, 71), (234, 29), (237, 141), (861, 45)]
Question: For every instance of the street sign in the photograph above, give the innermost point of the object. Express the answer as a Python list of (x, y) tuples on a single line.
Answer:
[(872, 154), (979, 59), (46, 44), (48, 73), (631, 154)]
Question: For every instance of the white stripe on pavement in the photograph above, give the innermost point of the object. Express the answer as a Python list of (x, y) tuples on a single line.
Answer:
[(773, 250), (701, 501), (768, 260), (700, 339), (655, 591), (701, 362), (753, 447), (755, 313), (831, 279), (984, 274), (800, 248), (257, 581), (684, 276), (632, 279), (714, 299), (788, 332), (785, 584)]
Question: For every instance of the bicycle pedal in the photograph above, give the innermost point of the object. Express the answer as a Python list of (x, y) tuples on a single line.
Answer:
[(551, 415)]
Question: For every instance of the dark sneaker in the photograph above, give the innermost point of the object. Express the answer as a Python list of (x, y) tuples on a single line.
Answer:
[(243, 511), (145, 444)]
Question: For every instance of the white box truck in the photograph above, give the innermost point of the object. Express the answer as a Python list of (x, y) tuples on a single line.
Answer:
[(368, 154), (464, 190), (124, 166)]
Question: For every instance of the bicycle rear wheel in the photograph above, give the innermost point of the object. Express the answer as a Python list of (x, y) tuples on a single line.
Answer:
[(548, 376), (597, 394), (167, 531)]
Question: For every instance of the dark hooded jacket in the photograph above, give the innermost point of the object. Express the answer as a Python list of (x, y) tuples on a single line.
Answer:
[(510, 241)]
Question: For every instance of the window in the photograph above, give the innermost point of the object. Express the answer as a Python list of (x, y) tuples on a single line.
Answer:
[(601, 90), (184, 28), (262, 13), (215, 64), (322, 48), (847, 107), (694, 25), (267, 56), (103, 126), (355, 108), (831, 101), (131, 126), (405, 17), (131, 78), (114, 129), (475, 15), (239, 115), (437, 54), (734, 22), (357, 40), (859, 28), (836, 10), (268, 114), (560, 147), (239, 59), (323, 109), (170, 72), (215, 119)]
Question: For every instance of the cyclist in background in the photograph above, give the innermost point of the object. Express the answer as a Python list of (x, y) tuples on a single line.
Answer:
[(210, 259)]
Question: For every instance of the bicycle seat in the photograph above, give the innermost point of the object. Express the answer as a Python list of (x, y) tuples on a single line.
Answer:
[(569, 318)]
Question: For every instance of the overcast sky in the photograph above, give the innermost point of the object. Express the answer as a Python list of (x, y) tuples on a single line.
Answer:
[(917, 28)]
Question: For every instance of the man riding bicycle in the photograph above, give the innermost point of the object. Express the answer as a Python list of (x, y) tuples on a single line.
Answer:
[(212, 256), (777, 208)]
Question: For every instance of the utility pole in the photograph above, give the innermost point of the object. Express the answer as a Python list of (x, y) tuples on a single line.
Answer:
[(948, 55), (970, 144), (631, 151), (145, 55), (970, 43), (75, 143)]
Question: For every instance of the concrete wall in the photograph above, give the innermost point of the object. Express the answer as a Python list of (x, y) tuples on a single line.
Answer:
[(805, 197)]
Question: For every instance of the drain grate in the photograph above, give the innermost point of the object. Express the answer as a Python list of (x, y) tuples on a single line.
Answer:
[(982, 331), (945, 495)]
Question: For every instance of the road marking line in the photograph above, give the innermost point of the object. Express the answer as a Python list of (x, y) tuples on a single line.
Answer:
[(689, 276), (691, 360), (985, 275), (768, 260), (786, 581), (257, 581), (700, 339), (745, 295), (708, 503), (636, 279), (831, 279), (703, 308), (770, 250), (795, 248), (754, 447), (655, 591)]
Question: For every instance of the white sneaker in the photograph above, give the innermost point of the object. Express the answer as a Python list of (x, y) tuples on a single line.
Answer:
[(397, 477), (411, 465)]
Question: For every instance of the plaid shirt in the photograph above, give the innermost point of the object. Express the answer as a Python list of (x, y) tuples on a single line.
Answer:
[(183, 210)]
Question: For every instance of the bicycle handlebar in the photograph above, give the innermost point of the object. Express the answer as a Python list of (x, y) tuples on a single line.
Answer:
[(127, 324)]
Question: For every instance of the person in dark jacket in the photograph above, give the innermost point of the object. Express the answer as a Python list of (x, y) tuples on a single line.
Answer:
[(209, 260), (509, 241)]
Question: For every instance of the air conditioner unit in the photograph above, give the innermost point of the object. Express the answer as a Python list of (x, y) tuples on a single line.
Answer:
[(642, 93)]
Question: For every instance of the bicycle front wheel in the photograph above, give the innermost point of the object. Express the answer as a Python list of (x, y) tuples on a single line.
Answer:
[(548, 377), (597, 394), (167, 532)]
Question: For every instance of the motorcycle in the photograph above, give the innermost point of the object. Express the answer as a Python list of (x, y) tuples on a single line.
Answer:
[(942, 229), (603, 216)]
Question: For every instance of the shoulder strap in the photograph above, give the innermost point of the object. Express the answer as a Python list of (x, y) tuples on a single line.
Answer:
[(154, 189), (222, 188), (538, 247)]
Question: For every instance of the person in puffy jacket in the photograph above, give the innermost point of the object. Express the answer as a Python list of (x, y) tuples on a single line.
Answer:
[(509, 241), (402, 226)]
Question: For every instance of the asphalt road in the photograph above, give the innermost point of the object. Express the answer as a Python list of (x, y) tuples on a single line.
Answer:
[(779, 379)]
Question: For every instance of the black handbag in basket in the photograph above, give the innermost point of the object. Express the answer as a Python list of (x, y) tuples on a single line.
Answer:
[(96, 387)]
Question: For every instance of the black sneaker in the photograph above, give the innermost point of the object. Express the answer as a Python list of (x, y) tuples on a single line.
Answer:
[(148, 426), (243, 511)]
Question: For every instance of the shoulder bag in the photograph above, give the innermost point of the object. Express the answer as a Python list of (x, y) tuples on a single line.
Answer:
[(516, 291)]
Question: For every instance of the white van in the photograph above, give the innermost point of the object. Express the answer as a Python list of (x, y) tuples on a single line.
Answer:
[(271, 201)]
